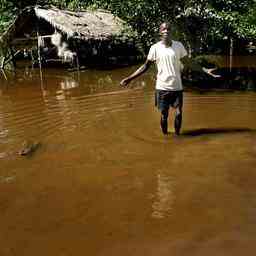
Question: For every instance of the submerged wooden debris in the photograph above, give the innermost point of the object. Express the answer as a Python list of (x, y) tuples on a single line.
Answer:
[(29, 147)]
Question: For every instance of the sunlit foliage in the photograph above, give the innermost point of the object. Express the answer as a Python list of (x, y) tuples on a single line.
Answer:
[(198, 22)]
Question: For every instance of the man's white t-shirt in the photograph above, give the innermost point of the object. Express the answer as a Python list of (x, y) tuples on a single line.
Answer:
[(168, 65)]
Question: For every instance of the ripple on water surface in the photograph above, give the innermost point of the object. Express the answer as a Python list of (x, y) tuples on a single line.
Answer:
[(105, 166)]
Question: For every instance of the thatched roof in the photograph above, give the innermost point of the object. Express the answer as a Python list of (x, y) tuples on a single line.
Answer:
[(98, 24)]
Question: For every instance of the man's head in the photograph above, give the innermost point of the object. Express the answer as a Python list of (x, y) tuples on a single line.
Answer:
[(165, 32)]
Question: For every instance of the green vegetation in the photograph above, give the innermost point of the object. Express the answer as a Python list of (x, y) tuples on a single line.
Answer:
[(201, 24)]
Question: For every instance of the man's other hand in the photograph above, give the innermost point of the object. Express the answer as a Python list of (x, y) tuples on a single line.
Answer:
[(209, 72), (124, 82)]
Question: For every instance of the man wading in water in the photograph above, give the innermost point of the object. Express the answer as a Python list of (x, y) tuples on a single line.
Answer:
[(168, 55)]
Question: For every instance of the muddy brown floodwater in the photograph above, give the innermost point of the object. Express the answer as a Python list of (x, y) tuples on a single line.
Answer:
[(106, 182)]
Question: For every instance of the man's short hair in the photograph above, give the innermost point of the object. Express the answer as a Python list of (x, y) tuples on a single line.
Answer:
[(165, 22)]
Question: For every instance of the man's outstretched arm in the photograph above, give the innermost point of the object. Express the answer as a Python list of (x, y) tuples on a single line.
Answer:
[(195, 66), (142, 69)]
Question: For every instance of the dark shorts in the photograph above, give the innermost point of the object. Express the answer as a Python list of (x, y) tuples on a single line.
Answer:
[(166, 99)]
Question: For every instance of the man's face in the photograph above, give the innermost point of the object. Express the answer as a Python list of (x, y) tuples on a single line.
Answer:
[(165, 32)]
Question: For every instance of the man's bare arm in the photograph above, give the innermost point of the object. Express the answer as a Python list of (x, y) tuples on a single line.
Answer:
[(195, 66), (142, 69)]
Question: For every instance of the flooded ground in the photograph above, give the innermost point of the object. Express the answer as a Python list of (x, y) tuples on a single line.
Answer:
[(105, 181)]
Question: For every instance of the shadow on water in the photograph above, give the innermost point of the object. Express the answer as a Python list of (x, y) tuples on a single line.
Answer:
[(193, 133), (215, 131), (104, 155)]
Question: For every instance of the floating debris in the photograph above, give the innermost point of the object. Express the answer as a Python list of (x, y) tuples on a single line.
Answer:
[(7, 179), (28, 147)]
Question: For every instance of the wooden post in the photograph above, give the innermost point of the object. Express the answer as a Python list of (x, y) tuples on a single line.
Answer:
[(2, 63), (77, 63), (32, 58), (78, 69), (4, 74), (38, 52), (231, 52), (39, 58), (10, 58), (40, 64)]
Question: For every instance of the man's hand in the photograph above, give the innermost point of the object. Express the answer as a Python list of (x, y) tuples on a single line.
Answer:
[(197, 67), (125, 82), (135, 74), (209, 72)]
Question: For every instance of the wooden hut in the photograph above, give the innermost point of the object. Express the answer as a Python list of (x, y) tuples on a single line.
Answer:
[(50, 35)]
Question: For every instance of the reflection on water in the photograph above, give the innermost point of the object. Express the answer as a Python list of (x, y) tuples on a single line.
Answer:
[(162, 206), (105, 181), (68, 84)]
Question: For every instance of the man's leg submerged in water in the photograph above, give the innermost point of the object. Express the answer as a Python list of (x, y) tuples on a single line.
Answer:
[(178, 120), (177, 105), (164, 120)]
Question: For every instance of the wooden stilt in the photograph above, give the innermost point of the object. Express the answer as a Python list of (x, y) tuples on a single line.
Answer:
[(32, 58), (2, 63), (77, 63), (231, 50), (39, 59), (10, 57), (78, 69), (40, 64), (4, 74)]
